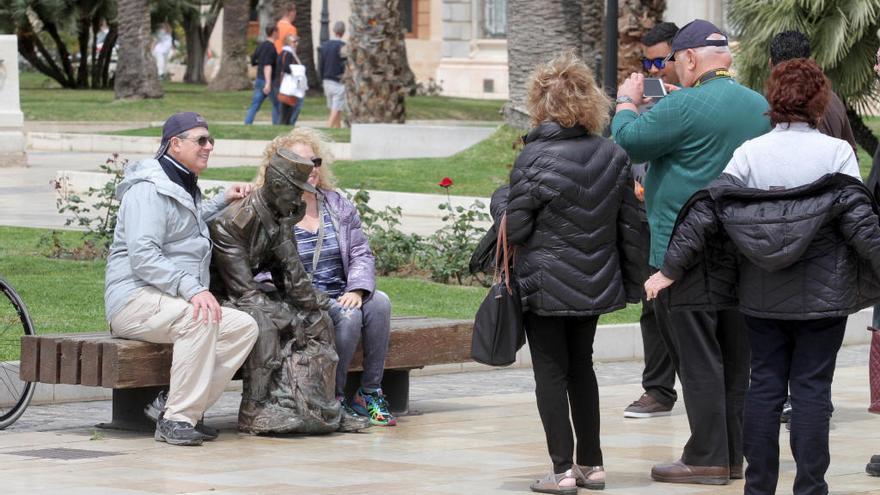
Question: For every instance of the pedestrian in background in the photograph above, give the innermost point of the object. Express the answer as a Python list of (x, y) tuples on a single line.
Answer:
[(658, 376), (288, 113), (688, 137), (805, 232), (285, 27), (331, 65), (264, 58), (572, 216)]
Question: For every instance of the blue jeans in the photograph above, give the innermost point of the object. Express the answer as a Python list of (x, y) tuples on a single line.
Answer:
[(257, 102), (372, 322), (799, 356)]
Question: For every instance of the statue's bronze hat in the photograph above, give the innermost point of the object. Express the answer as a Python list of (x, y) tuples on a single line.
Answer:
[(293, 167)]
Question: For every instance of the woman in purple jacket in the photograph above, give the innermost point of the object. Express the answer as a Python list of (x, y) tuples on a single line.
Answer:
[(336, 253)]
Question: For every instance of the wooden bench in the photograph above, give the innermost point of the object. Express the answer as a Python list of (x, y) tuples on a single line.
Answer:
[(137, 371)]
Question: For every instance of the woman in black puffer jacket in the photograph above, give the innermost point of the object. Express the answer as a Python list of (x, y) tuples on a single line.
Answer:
[(572, 214), (791, 236)]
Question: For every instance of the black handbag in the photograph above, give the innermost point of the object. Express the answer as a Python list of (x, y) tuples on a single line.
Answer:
[(498, 325)]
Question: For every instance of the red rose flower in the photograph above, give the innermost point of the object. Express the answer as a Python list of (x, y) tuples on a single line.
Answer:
[(446, 182)]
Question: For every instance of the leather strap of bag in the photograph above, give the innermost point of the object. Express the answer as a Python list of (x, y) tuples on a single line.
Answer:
[(504, 255)]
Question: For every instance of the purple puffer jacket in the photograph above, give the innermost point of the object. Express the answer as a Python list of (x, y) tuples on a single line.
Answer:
[(358, 262)]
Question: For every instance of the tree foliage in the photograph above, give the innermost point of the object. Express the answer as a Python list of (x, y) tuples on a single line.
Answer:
[(59, 38), (843, 37)]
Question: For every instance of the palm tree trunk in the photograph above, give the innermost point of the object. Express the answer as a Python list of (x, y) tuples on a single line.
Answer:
[(232, 75), (635, 18), (592, 16), (534, 36), (374, 77), (863, 134), (136, 73), (197, 39)]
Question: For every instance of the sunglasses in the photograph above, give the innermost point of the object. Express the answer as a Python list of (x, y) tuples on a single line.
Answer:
[(659, 62), (202, 141), (317, 161)]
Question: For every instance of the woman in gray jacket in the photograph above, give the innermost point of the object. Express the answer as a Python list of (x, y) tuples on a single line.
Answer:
[(336, 254)]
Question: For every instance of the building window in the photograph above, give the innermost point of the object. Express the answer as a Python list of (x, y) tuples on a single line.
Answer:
[(408, 15), (495, 18)]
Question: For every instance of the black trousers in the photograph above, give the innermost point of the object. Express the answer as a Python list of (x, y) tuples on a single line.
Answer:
[(799, 356), (562, 360), (710, 350), (658, 377)]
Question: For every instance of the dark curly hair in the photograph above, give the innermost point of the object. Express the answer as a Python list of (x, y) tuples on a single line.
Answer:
[(797, 91), (789, 45), (661, 33)]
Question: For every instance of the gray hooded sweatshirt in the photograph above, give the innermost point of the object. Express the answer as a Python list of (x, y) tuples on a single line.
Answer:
[(161, 238)]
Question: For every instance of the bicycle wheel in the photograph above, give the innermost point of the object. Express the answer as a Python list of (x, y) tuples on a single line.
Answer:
[(15, 395)]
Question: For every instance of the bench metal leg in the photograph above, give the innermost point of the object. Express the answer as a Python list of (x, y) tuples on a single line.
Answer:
[(395, 385), (128, 409)]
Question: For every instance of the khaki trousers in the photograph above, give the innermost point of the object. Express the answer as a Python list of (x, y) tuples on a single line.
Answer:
[(205, 356)]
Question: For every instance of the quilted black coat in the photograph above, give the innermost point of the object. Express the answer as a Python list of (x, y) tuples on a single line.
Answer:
[(572, 214), (803, 253)]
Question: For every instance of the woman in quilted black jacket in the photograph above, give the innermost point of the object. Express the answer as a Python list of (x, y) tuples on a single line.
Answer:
[(791, 236), (572, 214)]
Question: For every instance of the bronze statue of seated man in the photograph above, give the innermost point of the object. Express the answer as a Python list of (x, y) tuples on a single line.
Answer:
[(289, 376)]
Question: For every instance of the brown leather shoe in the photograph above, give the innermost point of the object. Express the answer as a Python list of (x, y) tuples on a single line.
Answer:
[(736, 472), (679, 472)]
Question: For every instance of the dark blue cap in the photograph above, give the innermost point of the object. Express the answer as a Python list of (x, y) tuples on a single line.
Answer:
[(696, 34), (176, 125)]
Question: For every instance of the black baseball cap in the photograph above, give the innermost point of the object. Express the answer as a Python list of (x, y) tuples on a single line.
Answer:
[(695, 34), (176, 125)]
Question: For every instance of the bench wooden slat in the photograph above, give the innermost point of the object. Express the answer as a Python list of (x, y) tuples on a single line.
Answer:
[(131, 364), (29, 366), (91, 354), (50, 360), (419, 343)]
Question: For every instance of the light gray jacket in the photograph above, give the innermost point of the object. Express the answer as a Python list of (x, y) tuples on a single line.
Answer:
[(161, 238)]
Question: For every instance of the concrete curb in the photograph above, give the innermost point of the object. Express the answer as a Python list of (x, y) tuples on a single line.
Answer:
[(613, 343), (107, 143)]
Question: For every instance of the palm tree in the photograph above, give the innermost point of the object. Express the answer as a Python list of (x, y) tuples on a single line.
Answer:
[(136, 72), (635, 18), (534, 36), (374, 75), (843, 36), (233, 75)]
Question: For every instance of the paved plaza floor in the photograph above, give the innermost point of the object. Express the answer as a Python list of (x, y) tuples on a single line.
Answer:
[(470, 433)]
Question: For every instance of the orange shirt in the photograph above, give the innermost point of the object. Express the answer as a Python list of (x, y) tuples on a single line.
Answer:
[(285, 29)]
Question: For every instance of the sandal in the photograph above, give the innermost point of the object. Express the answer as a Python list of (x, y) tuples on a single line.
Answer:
[(558, 484), (591, 477)]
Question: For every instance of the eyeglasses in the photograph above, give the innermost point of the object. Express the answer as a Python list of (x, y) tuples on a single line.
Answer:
[(669, 58), (317, 161), (202, 141), (659, 62)]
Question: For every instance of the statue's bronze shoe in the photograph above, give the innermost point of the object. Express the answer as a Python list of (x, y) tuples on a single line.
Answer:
[(261, 417)]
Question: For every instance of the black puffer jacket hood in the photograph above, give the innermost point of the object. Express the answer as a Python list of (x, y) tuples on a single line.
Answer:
[(572, 213), (801, 253)]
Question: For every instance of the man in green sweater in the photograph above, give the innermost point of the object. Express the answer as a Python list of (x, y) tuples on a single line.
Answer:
[(689, 136)]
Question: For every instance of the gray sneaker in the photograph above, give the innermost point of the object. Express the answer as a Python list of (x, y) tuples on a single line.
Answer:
[(647, 407), (177, 433)]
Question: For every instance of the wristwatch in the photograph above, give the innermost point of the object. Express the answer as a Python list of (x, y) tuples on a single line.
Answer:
[(624, 99)]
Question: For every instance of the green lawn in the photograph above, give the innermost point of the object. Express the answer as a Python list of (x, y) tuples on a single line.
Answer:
[(43, 99), (241, 131), (65, 296), (476, 171)]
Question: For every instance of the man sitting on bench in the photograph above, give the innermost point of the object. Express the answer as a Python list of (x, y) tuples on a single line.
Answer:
[(156, 287)]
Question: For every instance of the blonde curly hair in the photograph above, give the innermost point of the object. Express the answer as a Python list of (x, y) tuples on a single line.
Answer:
[(564, 91), (312, 138)]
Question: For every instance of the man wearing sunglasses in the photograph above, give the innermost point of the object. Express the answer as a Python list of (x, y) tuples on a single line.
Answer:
[(689, 137), (158, 275), (657, 45), (658, 376)]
